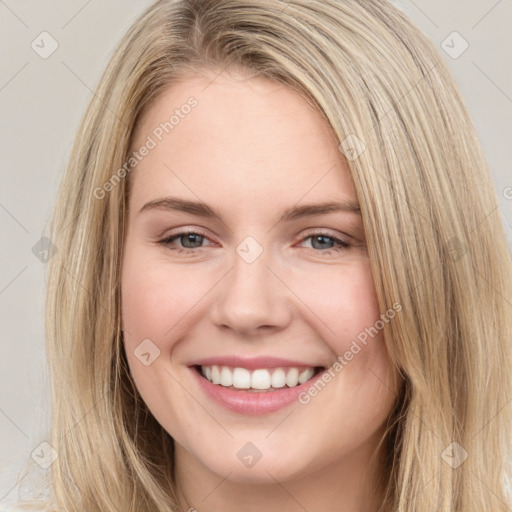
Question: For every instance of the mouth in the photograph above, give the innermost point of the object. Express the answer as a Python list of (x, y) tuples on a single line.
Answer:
[(254, 385), (257, 380)]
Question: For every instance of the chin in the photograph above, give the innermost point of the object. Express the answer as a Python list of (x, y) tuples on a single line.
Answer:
[(265, 470)]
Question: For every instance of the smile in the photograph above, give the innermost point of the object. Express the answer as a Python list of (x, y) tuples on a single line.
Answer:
[(260, 379), (253, 387)]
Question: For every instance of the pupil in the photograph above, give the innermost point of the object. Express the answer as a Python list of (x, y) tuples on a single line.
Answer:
[(321, 237), (190, 238)]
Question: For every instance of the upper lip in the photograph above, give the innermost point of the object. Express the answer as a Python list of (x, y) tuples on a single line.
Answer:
[(252, 363)]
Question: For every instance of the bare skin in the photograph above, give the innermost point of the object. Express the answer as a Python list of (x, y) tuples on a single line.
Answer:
[(250, 149)]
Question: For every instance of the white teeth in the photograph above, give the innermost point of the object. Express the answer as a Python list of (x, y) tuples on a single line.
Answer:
[(261, 379), (226, 377), (292, 377), (306, 375), (241, 378), (278, 378), (215, 375)]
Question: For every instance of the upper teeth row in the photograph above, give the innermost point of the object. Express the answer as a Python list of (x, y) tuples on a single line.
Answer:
[(241, 378)]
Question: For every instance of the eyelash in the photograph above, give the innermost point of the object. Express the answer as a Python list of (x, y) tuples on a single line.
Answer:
[(166, 242)]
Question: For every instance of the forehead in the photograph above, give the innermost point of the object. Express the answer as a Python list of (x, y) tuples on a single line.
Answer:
[(245, 137)]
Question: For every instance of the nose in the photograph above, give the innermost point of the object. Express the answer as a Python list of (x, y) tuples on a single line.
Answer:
[(252, 298)]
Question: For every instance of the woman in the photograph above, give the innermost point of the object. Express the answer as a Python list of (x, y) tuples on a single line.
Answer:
[(207, 351)]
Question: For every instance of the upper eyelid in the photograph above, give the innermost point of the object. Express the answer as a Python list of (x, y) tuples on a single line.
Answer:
[(308, 234), (198, 231)]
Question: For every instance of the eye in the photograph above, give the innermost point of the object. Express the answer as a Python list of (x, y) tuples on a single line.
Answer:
[(190, 240), (319, 240)]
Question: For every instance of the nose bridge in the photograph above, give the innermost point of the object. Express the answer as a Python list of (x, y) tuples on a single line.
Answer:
[(251, 295)]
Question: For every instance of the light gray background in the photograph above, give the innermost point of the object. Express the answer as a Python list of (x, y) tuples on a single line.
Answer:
[(42, 101)]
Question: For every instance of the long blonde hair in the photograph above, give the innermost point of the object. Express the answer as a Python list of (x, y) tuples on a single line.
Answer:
[(434, 235)]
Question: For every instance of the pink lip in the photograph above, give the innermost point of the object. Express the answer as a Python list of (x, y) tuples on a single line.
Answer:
[(251, 403), (251, 363)]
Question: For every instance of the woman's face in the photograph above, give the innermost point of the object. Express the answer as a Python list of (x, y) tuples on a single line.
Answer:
[(266, 288)]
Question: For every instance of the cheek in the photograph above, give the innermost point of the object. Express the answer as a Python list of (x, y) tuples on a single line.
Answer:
[(343, 299), (157, 302), (158, 299)]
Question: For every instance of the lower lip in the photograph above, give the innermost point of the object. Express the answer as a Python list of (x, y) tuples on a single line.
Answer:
[(252, 403)]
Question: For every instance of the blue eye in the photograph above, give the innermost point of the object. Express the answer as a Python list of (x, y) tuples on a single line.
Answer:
[(191, 241), (325, 238), (186, 237)]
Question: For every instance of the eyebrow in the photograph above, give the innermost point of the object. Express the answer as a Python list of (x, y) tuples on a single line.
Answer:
[(296, 212)]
